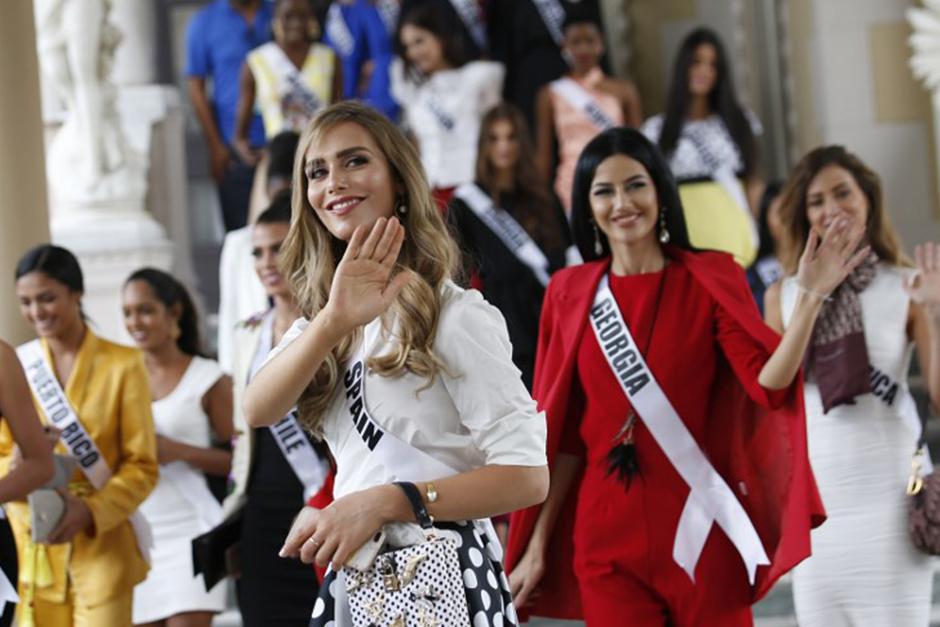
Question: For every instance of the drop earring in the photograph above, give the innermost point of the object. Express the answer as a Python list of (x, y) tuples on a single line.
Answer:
[(663, 231), (598, 246)]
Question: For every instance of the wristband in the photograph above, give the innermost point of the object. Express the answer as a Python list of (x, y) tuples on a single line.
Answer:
[(417, 504)]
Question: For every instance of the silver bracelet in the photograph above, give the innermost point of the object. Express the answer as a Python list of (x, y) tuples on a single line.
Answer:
[(818, 295)]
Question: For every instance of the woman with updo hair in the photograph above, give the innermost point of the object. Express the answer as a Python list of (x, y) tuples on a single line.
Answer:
[(862, 422), (192, 407), (94, 397)]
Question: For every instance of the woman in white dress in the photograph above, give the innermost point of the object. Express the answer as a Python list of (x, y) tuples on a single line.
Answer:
[(424, 367), (443, 97), (192, 400), (862, 425)]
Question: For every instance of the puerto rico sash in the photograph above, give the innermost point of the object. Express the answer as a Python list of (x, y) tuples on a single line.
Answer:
[(311, 470), (710, 498), (553, 14), (506, 228), (580, 99), (60, 414)]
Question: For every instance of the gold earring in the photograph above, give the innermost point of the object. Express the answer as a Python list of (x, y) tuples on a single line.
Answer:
[(278, 29), (313, 30), (176, 332)]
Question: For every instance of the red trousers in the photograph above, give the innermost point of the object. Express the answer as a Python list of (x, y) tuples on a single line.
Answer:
[(664, 595)]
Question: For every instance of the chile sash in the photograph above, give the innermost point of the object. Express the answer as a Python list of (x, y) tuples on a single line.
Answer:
[(311, 470), (58, 412), (710, 498)]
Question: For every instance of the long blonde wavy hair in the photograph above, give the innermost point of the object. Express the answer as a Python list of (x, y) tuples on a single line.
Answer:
[(310, 254)]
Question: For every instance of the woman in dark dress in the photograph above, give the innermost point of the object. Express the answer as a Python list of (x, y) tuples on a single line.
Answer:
[(498, 218)]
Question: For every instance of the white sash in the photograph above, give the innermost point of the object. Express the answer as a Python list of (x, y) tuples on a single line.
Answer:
[(469, 14), (440, 113), (710, 499), (409, 463), (297, 88), (311, 470), (553, 14), (724, 175), (338, 31), (505, 227), (578, 97), (7, 592), (898, 397), (55, 406), (388, 11)]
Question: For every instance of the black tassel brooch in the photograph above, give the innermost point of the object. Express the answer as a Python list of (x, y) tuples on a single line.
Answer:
[(622, 457)]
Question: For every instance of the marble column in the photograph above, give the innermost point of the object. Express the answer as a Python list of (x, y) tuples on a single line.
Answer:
[(24, 220)]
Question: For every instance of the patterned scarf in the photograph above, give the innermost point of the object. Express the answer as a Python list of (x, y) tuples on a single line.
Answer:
[(838, 356)]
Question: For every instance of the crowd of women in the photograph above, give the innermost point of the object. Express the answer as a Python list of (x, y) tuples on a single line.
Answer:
[(672, 385)]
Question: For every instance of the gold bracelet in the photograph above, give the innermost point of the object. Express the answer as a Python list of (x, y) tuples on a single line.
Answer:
[(431, 492)]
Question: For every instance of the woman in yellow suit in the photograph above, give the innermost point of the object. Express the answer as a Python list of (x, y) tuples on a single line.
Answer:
[(84, 574)]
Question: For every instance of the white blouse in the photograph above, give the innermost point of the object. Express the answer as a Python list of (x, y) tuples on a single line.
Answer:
[(478, 413), (444, 113), (687, 161)]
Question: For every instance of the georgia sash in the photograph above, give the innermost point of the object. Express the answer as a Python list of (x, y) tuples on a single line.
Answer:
[(710, 498), (59, 412)]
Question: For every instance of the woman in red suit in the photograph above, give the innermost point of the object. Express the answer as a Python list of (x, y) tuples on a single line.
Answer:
[(680, 483)]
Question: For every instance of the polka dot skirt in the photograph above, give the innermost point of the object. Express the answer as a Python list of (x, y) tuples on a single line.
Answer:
[(485, 583)]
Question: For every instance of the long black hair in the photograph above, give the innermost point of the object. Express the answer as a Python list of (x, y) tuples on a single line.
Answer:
[(54, 261), (431, 18), (171, 292), (722, 99), (633, 144)]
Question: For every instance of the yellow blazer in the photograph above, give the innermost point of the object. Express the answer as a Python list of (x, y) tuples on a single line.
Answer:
[(110, 392)]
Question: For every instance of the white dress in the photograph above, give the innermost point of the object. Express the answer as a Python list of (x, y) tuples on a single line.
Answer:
[(181, 506), (864, 570)]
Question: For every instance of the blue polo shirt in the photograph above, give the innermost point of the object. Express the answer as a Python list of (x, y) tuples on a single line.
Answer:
[(217, 43)]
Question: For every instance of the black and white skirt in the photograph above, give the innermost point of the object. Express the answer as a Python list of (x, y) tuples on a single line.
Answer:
[(485, 582)]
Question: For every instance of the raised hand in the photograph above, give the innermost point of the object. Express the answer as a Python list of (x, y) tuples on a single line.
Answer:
[(825, 264), (924, 285), (362, 284)]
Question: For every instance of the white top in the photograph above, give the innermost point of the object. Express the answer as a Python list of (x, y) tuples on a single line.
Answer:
[(687, 161), (241, 293), (478, 414), (444, 113)]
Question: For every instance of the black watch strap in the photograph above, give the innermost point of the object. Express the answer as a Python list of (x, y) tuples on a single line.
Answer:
[(417, 503)]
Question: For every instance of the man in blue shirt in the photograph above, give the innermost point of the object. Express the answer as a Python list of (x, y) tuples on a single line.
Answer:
[(219, 39)]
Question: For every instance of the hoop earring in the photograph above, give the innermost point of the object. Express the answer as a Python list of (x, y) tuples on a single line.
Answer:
[(598, 246), (663, 231)]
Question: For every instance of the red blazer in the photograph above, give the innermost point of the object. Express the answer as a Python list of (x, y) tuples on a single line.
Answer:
[(765, 448)]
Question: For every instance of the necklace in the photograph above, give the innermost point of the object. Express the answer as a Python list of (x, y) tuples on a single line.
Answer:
[(622, 456)]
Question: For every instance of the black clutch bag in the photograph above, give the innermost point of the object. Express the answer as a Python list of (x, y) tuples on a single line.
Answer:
[(216, 552)]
